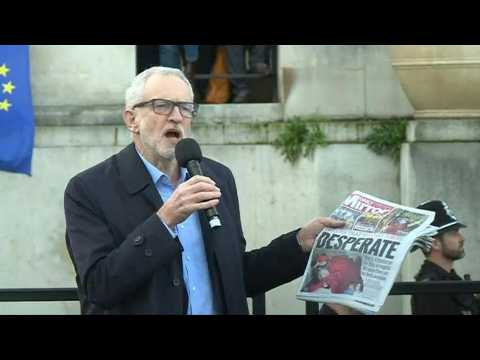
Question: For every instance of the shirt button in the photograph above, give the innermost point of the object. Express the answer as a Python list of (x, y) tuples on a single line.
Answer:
[(138, 240), (188, 258), (148, 252), (194, 288)]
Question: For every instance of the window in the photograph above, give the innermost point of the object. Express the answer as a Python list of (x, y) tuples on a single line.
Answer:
[(262, 88)]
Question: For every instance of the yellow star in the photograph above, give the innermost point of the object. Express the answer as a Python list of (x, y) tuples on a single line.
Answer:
[(4, 105), (4, 70), (8, 87)]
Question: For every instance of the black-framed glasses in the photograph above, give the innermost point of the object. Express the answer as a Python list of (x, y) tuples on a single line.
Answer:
[(165, 107)]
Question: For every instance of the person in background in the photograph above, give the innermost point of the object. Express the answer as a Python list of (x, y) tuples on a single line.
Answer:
[(182, 57), (237, 66), (441, 250)]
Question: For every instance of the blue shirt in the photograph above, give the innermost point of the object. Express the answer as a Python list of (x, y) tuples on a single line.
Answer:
[(195, 266)]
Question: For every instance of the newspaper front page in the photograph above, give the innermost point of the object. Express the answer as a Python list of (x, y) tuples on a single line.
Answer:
[(357, 264)]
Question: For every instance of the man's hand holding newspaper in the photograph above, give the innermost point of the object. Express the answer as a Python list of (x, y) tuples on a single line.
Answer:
[(308, 233)]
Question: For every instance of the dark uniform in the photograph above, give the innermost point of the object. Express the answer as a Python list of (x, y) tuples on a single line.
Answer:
[(442, 304)]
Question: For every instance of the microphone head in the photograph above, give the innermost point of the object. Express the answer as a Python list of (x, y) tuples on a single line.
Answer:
[(187, 149)]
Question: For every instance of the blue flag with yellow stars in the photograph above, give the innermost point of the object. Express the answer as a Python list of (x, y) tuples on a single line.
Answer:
[(17, 127)]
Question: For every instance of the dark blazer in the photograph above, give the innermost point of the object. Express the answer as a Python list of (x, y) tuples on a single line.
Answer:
[(127, 262)]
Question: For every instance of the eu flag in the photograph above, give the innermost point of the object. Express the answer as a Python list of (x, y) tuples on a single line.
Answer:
[(16, 110)]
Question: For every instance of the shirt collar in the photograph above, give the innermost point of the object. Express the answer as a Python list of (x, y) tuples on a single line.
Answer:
[(439, 270), (157, 174)]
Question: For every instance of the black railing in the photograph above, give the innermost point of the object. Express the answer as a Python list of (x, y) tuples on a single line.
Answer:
[(258, 302), (231, 76), (24, 295), (410, 288)]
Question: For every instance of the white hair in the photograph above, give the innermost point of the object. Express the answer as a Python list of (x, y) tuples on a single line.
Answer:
[(134, 93)]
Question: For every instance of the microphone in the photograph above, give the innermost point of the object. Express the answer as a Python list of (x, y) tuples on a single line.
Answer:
[(189, 155)]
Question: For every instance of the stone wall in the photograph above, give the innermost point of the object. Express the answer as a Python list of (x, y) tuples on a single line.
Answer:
[(78, 95)]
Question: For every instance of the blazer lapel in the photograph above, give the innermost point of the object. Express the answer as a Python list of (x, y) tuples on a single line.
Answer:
[(136, 178)]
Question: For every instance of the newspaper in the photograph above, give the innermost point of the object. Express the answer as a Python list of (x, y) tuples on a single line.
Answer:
[(356, 265)]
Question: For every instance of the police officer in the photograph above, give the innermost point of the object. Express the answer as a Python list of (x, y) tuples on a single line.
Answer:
[(441, 249)]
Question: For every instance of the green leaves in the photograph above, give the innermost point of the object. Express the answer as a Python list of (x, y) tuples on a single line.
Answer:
[(299, 137), (387, 138)]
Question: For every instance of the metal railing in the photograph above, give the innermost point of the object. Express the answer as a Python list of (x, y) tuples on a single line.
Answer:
[(258, 302), (427, 287), (231, 76)]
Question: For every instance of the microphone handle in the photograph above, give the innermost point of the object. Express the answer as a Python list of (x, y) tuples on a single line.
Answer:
[(194, 168)]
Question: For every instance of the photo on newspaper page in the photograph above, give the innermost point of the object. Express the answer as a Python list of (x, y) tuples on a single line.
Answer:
[(357, 265)]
